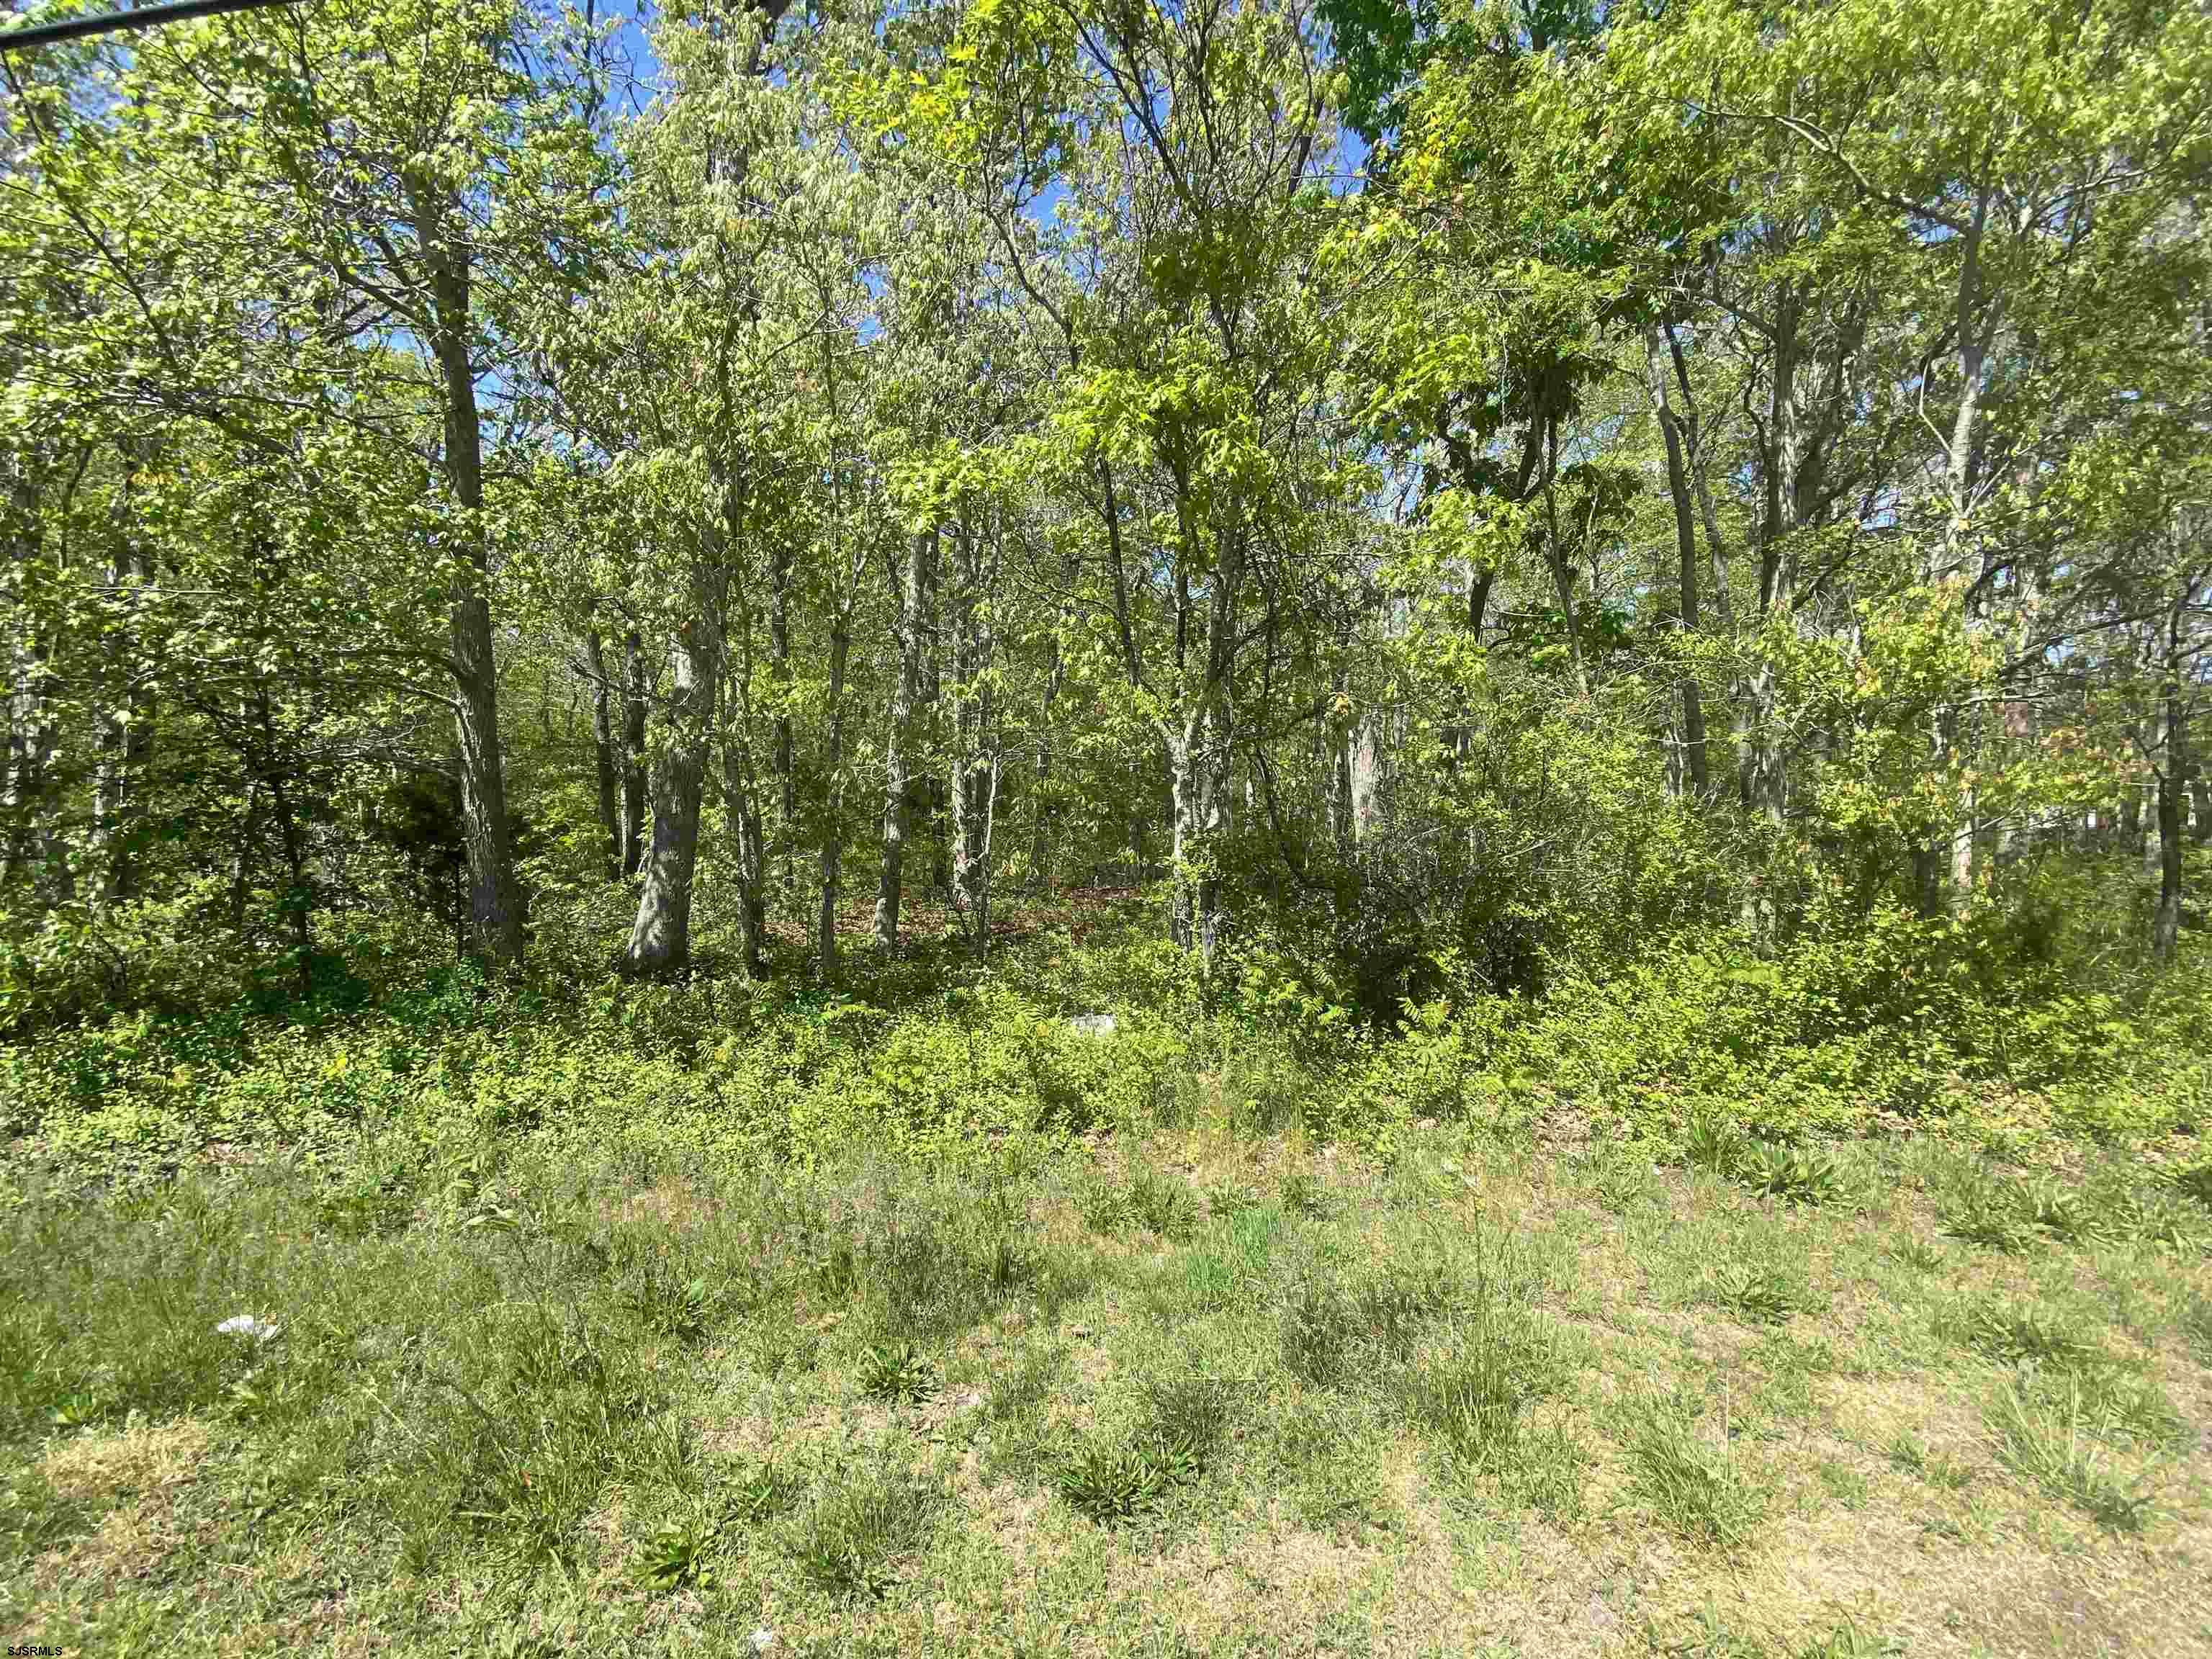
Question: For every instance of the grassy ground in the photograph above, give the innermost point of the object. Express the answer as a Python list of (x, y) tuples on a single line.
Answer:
[(1202, 1393)]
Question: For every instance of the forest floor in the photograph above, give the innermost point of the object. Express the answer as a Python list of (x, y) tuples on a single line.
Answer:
[(1195, 1394)]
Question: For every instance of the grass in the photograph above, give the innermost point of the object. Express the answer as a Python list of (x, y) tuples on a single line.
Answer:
[(2052, 1443), (851, 1540), (1757, 1291), (1201, 1391), (1689, 1478)]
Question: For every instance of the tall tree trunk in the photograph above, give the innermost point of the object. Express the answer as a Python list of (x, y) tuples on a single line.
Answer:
[(1215, 761), (495, 895), (738, 794), (779, 667), (126, 733), (1042, 812), (975, 751), (33, 843), (833, 817), (1974, 327), (2165, 925), (904, 690), (241, 860), (1686, 544), (635, 687), (299, 892), (1555, 555), (605, 763), (2173, 780), (1184, 833), (660, 936)]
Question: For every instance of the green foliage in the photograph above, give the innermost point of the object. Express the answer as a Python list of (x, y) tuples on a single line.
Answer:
[(2048, 1442), (1114, 1475), (1803, 1174), (1756, 1292), (851, 1538), (1472, 1389), (1693, 1487), (895, 1373)]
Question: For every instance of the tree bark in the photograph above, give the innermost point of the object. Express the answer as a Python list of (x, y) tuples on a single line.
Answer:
[(605, 764), (975, 757), (299, 893), (779, 666), (904, 691), (660, 936), (1686, 542), (635, 687), (33, 845), (2172, 781), (495, 895), (744, 807), (833, 827), (241, 861), (1563, 577), (741, 780)]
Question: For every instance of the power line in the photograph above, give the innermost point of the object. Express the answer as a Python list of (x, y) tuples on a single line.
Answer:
[(71, 28)]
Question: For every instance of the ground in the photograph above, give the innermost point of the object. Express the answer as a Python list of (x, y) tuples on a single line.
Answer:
[(1195, 1393)]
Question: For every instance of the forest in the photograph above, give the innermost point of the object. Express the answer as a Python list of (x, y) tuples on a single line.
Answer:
[(801, 691)]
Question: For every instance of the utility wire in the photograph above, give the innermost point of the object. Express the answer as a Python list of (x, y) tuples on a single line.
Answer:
[(71, 28)]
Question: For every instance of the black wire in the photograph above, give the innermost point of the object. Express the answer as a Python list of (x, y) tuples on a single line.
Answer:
[(69, 28)]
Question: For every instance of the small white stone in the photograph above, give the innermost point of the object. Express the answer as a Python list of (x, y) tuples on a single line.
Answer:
[(247, 1325), (762, 1639)]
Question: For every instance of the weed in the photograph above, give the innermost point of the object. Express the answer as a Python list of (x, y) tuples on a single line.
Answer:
[(760, 1491), (668, 1300), (1939, 1469), (1918, 1254), (1545, 1470), (1803, 1175), (1331, 1472), (669, 1451), (1472, 1390), (895, 1372), (2045, 1441), (2156, 1217), (675, 1554), (1713, 1145), (1398, 1303), (1224, 1201), (1843, 1483), (1755, 1291), (781, 1348), (1115, 1478), (371, 1205), (2056, 1208), (1622, 1183), (2194, 1181), (1986, 1215), (1695, 1488), (1847, 1641), (1162, 1205), (1304, 1196), (849, 1540), (1111, 1480), (1006, 1264), (1186, 1413), (2011, 1332), (837, 1271), (1316, 1329), (2128, 1407), (2195, 1319)]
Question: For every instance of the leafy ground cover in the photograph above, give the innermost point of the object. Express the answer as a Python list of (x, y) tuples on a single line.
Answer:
[(1194, 1387)]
